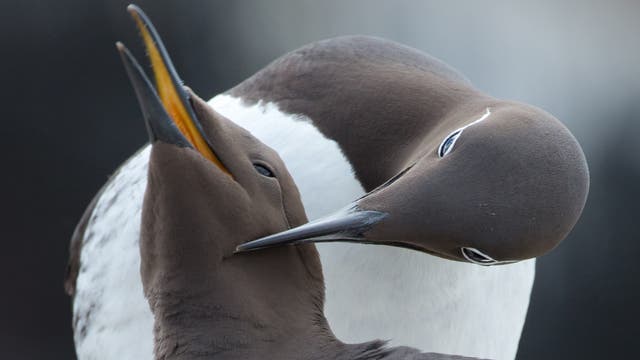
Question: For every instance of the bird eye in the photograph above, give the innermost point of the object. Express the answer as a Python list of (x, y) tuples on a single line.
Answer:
[(263, 170), (447, 144), (477, 257)]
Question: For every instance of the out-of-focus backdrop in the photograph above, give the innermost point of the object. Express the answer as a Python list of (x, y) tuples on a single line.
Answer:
[(69, 117)]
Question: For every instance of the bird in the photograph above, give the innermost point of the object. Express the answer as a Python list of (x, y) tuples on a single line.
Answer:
[(439, 167), (387, 146), (209, 301)]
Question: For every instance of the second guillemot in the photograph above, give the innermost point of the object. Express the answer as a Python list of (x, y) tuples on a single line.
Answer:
[(444, 169)]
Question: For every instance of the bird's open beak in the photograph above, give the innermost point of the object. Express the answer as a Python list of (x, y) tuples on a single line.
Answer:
[(348, 225), (168, 114)]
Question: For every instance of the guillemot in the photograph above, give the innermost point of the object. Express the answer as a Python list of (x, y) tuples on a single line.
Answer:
[(324, 108), (444, 168), (207, 301)]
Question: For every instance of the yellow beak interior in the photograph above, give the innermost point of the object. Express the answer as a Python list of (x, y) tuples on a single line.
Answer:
[(170, 98)]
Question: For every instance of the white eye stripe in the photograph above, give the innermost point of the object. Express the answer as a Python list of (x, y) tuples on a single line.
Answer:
[(447, 144), (486, 114)]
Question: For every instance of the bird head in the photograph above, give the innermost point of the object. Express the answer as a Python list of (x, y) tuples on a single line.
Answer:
[(211, 185), (495, 182)]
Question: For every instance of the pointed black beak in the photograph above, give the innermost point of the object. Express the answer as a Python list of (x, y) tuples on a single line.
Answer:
[(169, 99), (159, 124), (349, 225)]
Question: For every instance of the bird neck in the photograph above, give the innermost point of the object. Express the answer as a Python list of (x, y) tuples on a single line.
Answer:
[(208, 302), (202, 327), (377, 105), (232, 326)]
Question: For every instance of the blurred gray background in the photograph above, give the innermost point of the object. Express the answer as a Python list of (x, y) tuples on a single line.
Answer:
[(69, 118)]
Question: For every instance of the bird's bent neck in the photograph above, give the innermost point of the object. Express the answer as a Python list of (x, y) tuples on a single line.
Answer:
[(188, 329), (229, 325), (377, 99), (201, 327)]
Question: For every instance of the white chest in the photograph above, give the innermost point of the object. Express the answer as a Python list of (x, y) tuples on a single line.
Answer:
[(112, 318)]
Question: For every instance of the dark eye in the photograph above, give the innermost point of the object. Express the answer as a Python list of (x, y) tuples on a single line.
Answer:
[(477, 257), (263, 170), (447, 144)]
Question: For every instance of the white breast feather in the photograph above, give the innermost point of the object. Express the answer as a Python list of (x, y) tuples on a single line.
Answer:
[(112, 317)]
